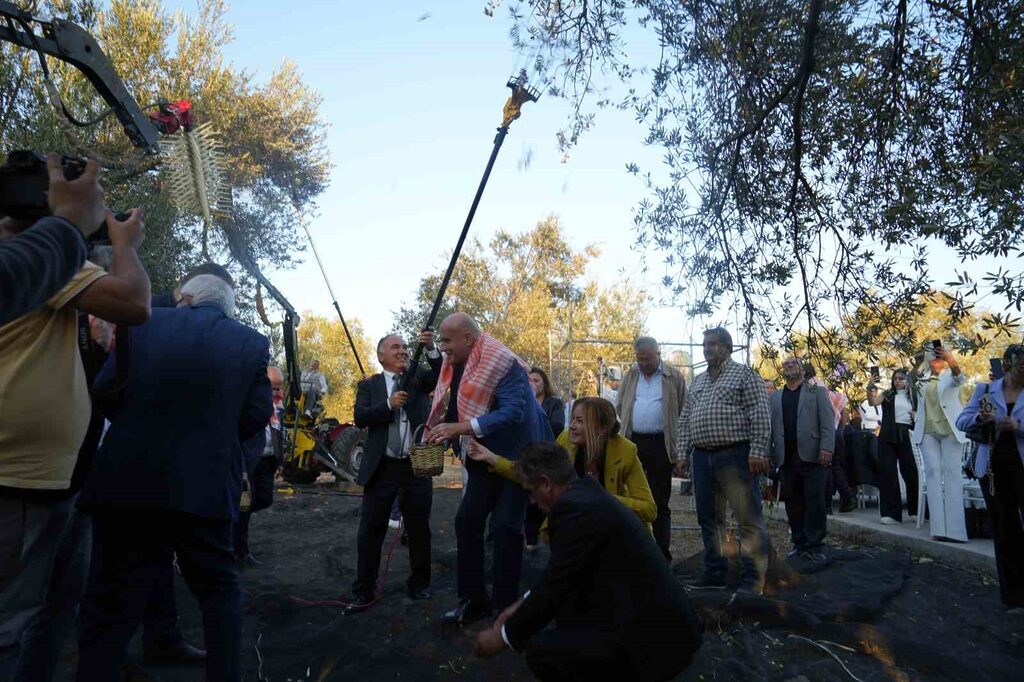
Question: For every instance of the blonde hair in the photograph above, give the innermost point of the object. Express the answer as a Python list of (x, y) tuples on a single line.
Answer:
[(600, 423)]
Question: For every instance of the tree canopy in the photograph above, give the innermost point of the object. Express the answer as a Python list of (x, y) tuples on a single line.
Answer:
[(808, 144), (522, 289), (324, 339), (272, 132), (844, 361)]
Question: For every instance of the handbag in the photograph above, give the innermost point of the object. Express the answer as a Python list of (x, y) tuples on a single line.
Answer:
[(979, 434)]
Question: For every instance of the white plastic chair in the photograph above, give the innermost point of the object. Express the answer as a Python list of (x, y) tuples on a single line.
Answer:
[(922, 483)]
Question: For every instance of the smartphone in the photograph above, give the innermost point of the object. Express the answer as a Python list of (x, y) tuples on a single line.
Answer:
[(936, 344), (996, 367), (875, 373)]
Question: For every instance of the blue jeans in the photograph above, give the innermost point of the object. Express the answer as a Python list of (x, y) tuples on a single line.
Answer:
[(488, 495), (45, 634), (130, 550), (30, 535), (722, 477)]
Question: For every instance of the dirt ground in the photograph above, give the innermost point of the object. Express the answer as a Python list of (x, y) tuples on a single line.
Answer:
[(870, 615)]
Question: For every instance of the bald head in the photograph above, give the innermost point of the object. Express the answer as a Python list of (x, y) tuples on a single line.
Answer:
[(461, 322), (457, 335), (276, 383)]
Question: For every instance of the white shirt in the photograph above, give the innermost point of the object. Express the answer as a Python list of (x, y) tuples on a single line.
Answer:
[(870, 416), (648, 407), (903, 407), (314, 379), (403, 420)]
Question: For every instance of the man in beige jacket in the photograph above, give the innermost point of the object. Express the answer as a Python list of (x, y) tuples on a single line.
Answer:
[(650, 399)]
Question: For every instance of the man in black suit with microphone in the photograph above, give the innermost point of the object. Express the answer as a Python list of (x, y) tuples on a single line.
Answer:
[(392, 416)]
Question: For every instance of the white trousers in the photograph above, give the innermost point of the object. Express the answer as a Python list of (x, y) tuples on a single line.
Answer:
[(943, 470)]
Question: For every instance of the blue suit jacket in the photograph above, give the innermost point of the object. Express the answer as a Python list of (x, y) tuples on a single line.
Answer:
[(197, 387), (970, 414), (515, 419)]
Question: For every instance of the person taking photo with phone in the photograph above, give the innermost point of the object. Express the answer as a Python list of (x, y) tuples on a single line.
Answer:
[(941, 442), (1000, 464)]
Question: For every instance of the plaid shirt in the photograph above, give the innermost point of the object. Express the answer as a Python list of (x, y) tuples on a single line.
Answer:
[(730, 409)]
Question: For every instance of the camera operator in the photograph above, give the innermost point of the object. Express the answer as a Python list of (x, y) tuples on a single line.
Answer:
[(46, 404), (38, 262)]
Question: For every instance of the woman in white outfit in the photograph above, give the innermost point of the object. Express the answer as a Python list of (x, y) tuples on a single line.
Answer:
[(941, 443)]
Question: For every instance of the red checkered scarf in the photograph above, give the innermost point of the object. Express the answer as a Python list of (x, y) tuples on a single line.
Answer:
[(488, 362)]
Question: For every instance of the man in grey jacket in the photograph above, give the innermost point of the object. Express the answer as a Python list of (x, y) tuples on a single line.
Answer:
[(649, 402), (803, 439)]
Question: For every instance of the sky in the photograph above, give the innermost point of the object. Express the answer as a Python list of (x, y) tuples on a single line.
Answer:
[(413, 93)]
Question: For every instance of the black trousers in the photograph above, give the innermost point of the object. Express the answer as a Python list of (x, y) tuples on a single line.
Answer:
[(534, 520), (650, 448), (394, 478), (261, 491), (840, 479), (805, 487), (895, 460), (489, 495), (129, 550), (1005, 509), (587, 654)]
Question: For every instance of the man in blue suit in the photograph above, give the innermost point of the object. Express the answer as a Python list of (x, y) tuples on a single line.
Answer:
[(168, 476), (489, 397)]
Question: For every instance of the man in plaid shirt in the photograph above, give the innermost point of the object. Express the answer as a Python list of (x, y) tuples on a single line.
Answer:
[(725, 429)]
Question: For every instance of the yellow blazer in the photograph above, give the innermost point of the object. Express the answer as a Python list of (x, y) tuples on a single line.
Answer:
[(623, 475)]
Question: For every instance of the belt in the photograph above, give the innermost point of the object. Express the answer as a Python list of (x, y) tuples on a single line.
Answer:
[(659, 434), (723, 447)]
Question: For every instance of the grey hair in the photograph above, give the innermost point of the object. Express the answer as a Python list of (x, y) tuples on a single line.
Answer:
[(212, 290), (645, 342)]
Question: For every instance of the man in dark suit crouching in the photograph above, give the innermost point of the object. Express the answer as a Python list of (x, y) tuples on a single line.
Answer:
[(168, 476), (392, 416), (619, 613)]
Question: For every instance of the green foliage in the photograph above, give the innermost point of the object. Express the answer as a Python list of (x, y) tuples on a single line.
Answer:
[(521, 289), (272, 132), (843, 357), (807, 142), (324, 339)]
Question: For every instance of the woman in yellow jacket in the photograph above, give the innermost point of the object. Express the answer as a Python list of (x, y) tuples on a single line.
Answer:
[(597, 449)]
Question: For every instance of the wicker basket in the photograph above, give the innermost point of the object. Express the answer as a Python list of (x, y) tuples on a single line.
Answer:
[(427, 460)]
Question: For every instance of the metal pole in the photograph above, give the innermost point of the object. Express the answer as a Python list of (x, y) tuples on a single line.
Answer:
[(498, 140), (334, 300), (572, 378)]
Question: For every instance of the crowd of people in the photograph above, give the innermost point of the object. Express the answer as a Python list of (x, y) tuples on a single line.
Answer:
[(97, 504)]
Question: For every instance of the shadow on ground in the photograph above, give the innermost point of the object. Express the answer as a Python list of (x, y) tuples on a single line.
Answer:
[(869, 615)]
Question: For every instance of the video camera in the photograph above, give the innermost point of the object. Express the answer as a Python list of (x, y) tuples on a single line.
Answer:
[(24, 182)]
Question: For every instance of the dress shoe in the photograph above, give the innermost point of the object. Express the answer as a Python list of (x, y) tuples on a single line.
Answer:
[(465, 613), (708, 581), (358, 604), (247, 561), (420, 595), (179, 653)]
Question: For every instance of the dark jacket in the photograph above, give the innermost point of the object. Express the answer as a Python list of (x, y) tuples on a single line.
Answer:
[(36, 264), (554, 408), (815, 424), (197, 389), (373, 412), (607, 573)]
